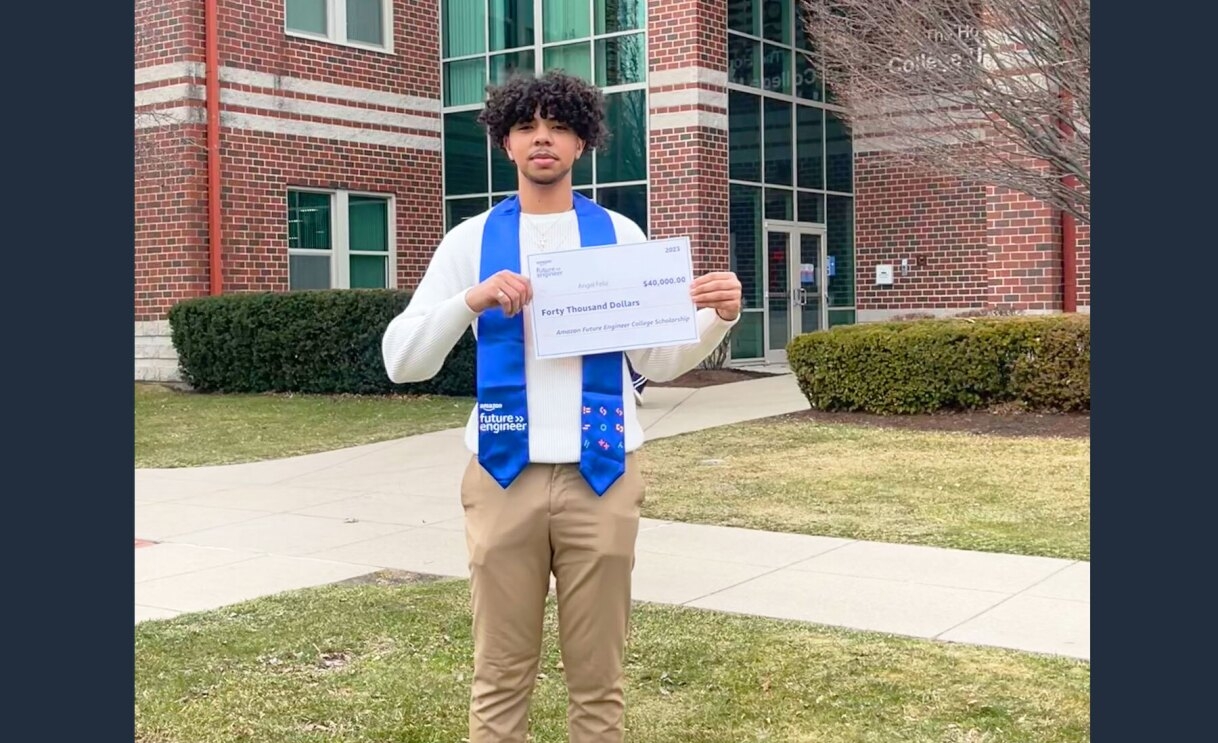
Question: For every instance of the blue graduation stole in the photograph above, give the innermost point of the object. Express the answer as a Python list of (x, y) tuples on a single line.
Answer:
[(503, 410)]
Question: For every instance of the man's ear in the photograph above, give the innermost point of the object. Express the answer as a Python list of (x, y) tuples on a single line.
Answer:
[(507, 151)]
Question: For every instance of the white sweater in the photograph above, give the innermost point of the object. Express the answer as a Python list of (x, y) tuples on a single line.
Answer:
[(417, 341)]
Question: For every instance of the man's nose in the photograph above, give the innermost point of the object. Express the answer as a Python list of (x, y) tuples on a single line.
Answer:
[(541, 134)]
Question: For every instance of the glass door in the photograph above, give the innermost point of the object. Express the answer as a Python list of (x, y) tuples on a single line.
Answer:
[(779, 294), (796, 284), (811, 285)]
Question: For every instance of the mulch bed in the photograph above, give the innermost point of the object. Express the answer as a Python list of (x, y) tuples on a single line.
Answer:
[(710, 377), (991, 423), (997, 422)]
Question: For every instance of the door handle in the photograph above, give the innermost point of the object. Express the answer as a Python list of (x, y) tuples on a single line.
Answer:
[(802, 297)]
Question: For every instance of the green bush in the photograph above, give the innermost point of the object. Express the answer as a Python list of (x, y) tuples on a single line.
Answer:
[(1035, 362), (323, 342)]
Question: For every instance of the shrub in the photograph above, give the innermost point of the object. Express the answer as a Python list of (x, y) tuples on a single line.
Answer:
[(1035, 362), (323, 342)]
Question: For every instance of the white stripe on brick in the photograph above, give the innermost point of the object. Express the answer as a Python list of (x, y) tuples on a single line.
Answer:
[(328, 90), (177, 70), (279, 125), (686, 119), (170, 93), (170, 116), (689, 97), (689, 76), (319, 109), (170, 71)]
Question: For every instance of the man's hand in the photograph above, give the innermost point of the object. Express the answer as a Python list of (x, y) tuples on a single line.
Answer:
[(506, 290), (720, 290)]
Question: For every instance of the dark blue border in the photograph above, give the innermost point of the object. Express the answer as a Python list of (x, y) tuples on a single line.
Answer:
[(69, 276), (70, 358), (1153, 240)]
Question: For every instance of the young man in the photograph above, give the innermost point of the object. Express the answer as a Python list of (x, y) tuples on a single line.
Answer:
[(538, 497)]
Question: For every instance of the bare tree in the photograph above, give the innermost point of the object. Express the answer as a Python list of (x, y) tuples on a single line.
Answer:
[(995, 91), (159, 118)]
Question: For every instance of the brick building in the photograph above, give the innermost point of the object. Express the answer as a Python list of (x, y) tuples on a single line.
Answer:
[(340, 137)]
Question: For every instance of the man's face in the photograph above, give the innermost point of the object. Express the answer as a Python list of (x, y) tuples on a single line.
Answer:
[(544, 150)]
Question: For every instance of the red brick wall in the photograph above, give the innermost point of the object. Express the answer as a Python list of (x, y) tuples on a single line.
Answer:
[(687, 33), (938, 224), (253, 38), (688, 164), (1083, 263), (257, 167), (689, 192), (170, 218), (170, 165), (168, 31), (969, 245), (1025, 269), (260, 167)]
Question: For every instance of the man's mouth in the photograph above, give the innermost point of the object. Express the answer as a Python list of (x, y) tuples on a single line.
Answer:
[(544, 158)]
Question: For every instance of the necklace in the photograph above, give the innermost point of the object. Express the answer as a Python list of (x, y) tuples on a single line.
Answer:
[(542, 235)]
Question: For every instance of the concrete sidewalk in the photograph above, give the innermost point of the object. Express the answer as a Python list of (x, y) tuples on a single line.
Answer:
[(219, 535)]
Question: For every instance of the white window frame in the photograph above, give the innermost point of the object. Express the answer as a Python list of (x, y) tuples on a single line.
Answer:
[(340, 237), (336, 22)]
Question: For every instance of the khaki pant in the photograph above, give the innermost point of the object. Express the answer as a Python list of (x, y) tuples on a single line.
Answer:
[(549, 520)]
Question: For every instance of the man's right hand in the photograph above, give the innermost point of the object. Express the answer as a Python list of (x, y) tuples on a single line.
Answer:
[(507, 290)]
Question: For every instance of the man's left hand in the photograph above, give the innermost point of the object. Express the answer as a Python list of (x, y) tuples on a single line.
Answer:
[(719, 290)]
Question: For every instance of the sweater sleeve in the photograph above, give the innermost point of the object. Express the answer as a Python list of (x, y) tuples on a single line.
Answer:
[(669, 362), (417, 341)]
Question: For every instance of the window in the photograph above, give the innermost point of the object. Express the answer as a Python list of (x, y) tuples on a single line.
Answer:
[(364, 23), (603, 41), (789, 155), (339, 240)]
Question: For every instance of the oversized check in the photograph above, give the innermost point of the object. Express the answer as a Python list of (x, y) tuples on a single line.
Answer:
[(612, 298)]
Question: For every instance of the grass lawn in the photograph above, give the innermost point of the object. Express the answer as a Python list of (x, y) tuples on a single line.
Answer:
[(183, 429), (1023, 495), (390, 663)]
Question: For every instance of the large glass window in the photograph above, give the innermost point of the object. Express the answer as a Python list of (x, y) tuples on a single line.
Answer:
[(465, 155), (563, 20), (339, 240), (790, 156), (745, 242), (574, 58), (744, 142), (602, 41), (841, 259), (464, 27), (624, 158), (355, 22), (510, 23)]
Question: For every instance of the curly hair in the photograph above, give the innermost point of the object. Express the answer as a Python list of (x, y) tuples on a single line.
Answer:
[(558, 95)]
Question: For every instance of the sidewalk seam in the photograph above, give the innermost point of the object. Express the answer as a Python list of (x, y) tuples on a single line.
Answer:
[(670, 411), (762, 575), (987, 610), (164, 539), (254, 556)]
